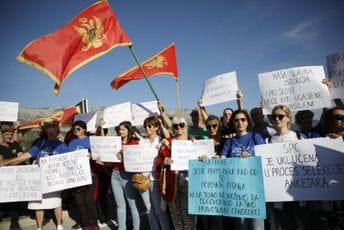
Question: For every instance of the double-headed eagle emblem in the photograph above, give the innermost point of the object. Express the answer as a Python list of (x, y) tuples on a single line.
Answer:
[(92, 32), (157, 62)]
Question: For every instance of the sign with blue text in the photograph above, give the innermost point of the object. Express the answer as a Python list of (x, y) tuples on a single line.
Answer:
[(227, 187)]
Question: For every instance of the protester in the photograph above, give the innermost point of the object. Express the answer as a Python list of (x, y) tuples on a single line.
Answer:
[(205, 222), (10, 149), (197, 130), (173, 185), (304, 120), (121, 183), (242, 145), (155, 205), (104, 185), (260, 125), (84, 194), (334, 128), (47, 147), (334, 122), (284, 215)]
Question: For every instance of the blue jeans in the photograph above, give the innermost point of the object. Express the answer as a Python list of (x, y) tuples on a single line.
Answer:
[(123, 190), (157, 217)]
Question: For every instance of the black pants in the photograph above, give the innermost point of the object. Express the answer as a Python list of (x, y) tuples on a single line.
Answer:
[(86, 205)]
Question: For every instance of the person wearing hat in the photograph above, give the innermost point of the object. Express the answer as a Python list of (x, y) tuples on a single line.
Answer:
[(10, 149), (47, 147)]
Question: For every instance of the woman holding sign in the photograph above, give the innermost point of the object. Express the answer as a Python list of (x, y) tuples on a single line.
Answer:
[(84, 194), (156, 207), (169, 180), (122, 187), (242, 145), (284, 215)]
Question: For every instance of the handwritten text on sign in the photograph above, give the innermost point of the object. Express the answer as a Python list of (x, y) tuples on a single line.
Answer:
[(335, 67), (183, 151), (139, 158), (65, 171), (310, 169), (106, 148), (8, 111), (220, 89), (299, 88), (227, 187), (20, 183)]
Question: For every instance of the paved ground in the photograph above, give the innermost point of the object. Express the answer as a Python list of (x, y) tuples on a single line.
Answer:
[(30, 224)]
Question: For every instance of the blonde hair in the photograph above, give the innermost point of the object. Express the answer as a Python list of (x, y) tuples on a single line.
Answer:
[(179, 119), (286, 110)]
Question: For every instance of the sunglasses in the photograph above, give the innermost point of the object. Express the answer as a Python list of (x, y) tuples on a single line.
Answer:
[(148, 126), (240, 119), (77, 129), (339, 117), (279, 116), (180, 125), (214, 126)]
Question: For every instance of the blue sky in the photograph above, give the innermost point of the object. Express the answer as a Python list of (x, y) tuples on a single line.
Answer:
[(212, 37)]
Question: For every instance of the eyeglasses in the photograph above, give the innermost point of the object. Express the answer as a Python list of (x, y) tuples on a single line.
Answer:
[(240, 119), (279, 116), (339, 117), (214, 126), (78, 129), (180, 125)]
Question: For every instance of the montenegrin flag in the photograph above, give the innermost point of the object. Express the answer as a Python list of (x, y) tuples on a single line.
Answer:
[(163, 62), (64, 117), (92, 33)]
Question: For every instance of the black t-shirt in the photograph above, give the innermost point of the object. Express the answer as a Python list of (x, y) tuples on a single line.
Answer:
[(11, 151)]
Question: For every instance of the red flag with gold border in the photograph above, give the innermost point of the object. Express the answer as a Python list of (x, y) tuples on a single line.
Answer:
[(92, 33), (163, 62), (64, 117)]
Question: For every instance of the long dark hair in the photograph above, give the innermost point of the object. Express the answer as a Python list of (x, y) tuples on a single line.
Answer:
[(247, 115), (131, 130)]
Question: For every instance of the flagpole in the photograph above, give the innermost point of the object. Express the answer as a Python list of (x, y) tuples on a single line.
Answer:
[(178, 99), (143, 72)]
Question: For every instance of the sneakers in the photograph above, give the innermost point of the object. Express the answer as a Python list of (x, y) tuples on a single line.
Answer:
[(59, 227)]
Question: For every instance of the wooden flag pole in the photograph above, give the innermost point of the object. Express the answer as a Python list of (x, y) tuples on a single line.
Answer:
[(178, 99), (143, 72)]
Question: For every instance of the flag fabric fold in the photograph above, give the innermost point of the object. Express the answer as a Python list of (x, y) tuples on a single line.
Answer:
[(92, 33), (64, 117), (161, 63)]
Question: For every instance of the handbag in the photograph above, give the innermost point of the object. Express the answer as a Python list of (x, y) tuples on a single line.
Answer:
[(140, 182)]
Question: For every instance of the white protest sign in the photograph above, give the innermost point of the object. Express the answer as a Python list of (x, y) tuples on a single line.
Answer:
[(335, 69), (298, 88), (20, 183), (183, 151), (220, 89), (89, 118), (311, 169), (8, 111), (143, 110), (64, 171), (106, 147), (115, 114), (139, 158)]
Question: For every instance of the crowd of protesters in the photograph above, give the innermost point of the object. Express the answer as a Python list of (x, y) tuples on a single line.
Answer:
[(164, 203)]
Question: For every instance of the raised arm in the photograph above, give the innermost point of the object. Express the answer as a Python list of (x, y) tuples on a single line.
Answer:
[(202, 108), (164, 116)]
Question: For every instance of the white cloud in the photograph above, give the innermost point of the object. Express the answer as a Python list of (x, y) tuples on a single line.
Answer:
[(303, 31)]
